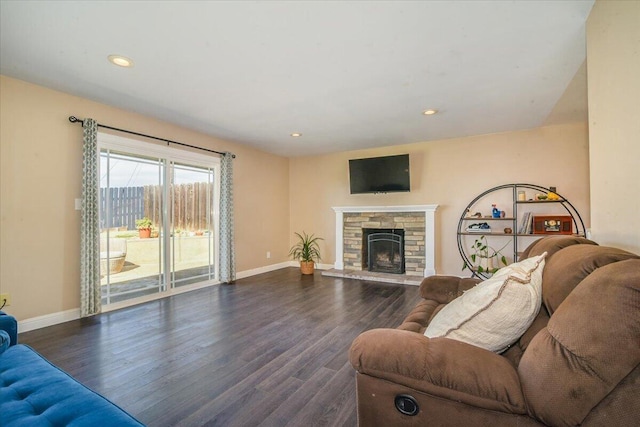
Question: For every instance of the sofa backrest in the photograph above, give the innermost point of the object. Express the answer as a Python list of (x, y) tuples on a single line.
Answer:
[(570, 266), (552, 244), (591, 342)]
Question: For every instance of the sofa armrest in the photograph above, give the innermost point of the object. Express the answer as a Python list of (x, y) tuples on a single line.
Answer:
[(441, 367), (9, 324), (445, 289)]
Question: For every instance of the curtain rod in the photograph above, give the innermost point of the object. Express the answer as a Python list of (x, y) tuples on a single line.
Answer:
[(74, 119)]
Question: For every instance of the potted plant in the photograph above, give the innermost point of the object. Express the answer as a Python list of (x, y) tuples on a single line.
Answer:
[(144, 227), (306, 251), (483, 257)]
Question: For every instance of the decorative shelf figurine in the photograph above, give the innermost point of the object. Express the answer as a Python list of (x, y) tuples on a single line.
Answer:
[(495, 212)]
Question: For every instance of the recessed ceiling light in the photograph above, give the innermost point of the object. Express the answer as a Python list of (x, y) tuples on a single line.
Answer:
[(296, 134), (120, 61), (430, 112)]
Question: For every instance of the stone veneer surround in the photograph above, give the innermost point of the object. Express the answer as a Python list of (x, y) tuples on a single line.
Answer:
[(418, 221)]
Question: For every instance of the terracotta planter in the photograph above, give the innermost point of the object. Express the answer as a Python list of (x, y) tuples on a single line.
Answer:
[(144, 233), (307, 267)]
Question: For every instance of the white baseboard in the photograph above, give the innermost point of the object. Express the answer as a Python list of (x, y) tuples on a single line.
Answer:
[(265, 269), (268, 268), (317, 266), (48, 320), (73, 314), (322, 266)]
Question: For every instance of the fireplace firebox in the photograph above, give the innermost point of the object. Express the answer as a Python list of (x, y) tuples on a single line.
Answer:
[(383, 250)]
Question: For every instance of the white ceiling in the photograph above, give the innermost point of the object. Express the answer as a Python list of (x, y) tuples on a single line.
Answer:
[(346, 74)]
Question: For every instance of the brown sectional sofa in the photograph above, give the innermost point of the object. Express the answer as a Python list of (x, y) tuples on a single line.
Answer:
[(577, 364)]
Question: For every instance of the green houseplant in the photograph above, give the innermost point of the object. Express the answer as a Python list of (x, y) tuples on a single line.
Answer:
[(483, 256), (307, 251), (144, 227)]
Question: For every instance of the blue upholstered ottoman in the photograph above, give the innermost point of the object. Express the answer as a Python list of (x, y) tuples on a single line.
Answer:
[(33, 392)]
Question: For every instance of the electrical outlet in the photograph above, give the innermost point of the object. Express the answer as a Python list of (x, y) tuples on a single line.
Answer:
[(5, 298), (268, 254)]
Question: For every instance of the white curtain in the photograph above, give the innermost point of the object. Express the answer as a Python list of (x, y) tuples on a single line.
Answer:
[(227, 250), (90, 298)]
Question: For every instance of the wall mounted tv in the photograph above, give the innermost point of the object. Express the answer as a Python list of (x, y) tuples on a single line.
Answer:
[(387, 174)]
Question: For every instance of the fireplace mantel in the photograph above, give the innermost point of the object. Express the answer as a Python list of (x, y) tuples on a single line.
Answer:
[(429, 216)]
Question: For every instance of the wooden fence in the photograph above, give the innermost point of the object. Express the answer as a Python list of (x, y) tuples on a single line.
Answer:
[(126, 204), (123, 205)]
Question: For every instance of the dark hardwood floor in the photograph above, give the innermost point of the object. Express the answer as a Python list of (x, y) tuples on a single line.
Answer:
[(271, 350)]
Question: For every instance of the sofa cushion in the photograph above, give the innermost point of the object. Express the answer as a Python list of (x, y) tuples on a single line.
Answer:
[(35, 392), (497, 311)]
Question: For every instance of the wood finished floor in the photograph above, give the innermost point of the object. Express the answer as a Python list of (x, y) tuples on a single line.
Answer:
[(271, 350)]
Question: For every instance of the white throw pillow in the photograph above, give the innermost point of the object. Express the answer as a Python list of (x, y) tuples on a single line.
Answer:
[(496, 312)]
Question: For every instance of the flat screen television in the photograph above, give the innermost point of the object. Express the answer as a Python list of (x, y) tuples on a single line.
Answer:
[(387, 174)]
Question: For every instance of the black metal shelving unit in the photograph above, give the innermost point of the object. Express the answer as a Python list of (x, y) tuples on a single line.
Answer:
[(513, 221)]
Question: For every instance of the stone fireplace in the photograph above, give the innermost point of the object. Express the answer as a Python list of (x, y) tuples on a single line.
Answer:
[(416, 224)]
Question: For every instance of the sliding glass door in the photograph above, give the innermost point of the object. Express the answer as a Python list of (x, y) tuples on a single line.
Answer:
[(192, 225), (158, 219)]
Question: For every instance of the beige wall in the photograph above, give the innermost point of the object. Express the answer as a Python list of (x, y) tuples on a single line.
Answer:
[(449, 173), (40, 163), (40, 157), (613, 67)]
